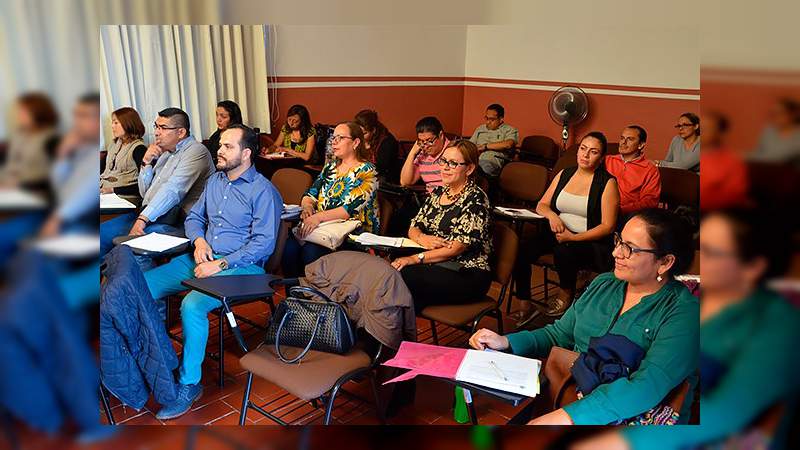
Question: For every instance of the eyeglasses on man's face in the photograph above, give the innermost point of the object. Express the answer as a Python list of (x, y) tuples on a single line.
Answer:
[(426, 142), (627, 250), (156, 126)]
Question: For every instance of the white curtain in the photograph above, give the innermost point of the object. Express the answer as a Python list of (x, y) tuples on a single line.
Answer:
[(192, 67)]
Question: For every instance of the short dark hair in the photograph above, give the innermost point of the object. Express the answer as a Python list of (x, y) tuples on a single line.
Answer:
[(672, 235), (429, 124), (178, 117), (755, 236), (642, 132), (600, 137), (498, 108), (249, 139), (90, 98), (694, 119), (233, 110)]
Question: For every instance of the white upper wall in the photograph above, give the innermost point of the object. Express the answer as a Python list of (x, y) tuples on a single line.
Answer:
[(372, 50), (605, 54)]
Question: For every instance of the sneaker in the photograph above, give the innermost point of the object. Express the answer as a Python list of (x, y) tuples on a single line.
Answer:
[(187, 395), (557, 307)]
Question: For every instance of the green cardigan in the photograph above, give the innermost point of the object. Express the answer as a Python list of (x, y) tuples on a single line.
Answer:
[(754, 339), (665, 324)]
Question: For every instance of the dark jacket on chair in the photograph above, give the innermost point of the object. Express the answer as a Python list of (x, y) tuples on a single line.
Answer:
[(136, 355)]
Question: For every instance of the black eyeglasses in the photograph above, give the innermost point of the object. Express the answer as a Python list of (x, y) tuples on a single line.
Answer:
[(627, 250), (162, 127), (338, 137), (684, 125), (426, 143), (451, 164), (491, 118)]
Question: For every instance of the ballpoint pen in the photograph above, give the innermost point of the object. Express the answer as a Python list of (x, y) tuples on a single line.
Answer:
[(497, 369)]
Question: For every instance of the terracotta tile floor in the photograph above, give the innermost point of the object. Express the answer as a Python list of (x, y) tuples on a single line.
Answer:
[(221, 406)]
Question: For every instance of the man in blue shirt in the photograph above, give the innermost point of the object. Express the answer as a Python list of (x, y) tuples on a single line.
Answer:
[(174, 171), (233, 226)]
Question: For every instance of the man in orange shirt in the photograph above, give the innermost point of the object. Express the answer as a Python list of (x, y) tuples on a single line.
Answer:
[(637, 177)]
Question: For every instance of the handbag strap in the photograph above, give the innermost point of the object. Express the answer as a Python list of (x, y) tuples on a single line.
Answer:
[(305, 350), (296, 290)]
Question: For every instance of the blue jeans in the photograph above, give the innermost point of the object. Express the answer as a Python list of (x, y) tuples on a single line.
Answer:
[(166, 280)]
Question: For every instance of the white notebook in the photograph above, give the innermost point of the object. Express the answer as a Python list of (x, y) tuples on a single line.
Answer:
[(386, 241), (155, 242), (12, 199), (518, 212), (114, 201), (70, 245), (501, 371)]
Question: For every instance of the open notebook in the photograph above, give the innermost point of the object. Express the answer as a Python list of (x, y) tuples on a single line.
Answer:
[(386, 241), (114, 201)]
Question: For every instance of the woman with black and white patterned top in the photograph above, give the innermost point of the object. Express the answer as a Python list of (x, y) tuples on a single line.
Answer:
[(454, 227)]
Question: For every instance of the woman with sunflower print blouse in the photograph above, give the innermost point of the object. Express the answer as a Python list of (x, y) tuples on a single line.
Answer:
[(454, 227), (346, 188)]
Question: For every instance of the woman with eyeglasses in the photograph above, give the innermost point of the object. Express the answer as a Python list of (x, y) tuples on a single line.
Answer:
[(346, 188), (641, 303), (581, 206), (684, 149), (747, 332), (454, 227), (298, 137)]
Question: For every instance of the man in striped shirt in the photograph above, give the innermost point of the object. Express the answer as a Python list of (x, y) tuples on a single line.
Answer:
[(421, 160)]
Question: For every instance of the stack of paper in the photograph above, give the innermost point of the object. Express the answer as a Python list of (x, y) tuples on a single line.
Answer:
[(290, 211), (156, 242), (517, 212), (370, 239), (15, 199), (114, 201), (70, 245)]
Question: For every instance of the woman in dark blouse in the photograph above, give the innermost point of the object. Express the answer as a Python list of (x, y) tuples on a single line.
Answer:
[(228, 113), (454, 227), (382, 146)]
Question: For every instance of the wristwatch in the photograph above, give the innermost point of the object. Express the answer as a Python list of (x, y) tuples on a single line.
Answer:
[(421, 257), (223, 264)]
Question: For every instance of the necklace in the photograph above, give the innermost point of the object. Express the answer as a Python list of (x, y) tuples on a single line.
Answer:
[(452, 196)]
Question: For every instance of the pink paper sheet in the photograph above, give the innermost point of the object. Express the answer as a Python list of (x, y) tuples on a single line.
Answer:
[(424, 359)]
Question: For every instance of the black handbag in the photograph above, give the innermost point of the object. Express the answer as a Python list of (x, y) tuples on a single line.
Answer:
[(308, 319)]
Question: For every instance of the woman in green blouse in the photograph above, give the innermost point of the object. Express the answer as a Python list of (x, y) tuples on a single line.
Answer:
[(747, 333), (298, 137), (346, 188), (639, 300), (453, 227)]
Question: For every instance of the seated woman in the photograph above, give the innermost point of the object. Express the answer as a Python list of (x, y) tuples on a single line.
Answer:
[(454, 227), (581, 206), (32, 144), (297, 137), (346, 188), (739, 250), (382, 145), (684, 149), (228, 113), (124, 155), (639, 301)]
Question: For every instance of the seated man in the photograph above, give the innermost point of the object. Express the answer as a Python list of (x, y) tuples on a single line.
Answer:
[(173, 173), (233, 227), (637, 177), (495, 140), (421, 159)]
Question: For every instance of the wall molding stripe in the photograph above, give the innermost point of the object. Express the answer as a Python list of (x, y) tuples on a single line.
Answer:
[(361, 82)]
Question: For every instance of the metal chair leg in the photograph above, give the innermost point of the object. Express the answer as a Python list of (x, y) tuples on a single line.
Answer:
[(510, 294), (433, 331), (221, 333), (246, 400), (378, 407), (499, 321), (329, 404), (106, 406)]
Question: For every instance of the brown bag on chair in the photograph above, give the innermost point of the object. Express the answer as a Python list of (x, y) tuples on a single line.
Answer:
[(558, 371)]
